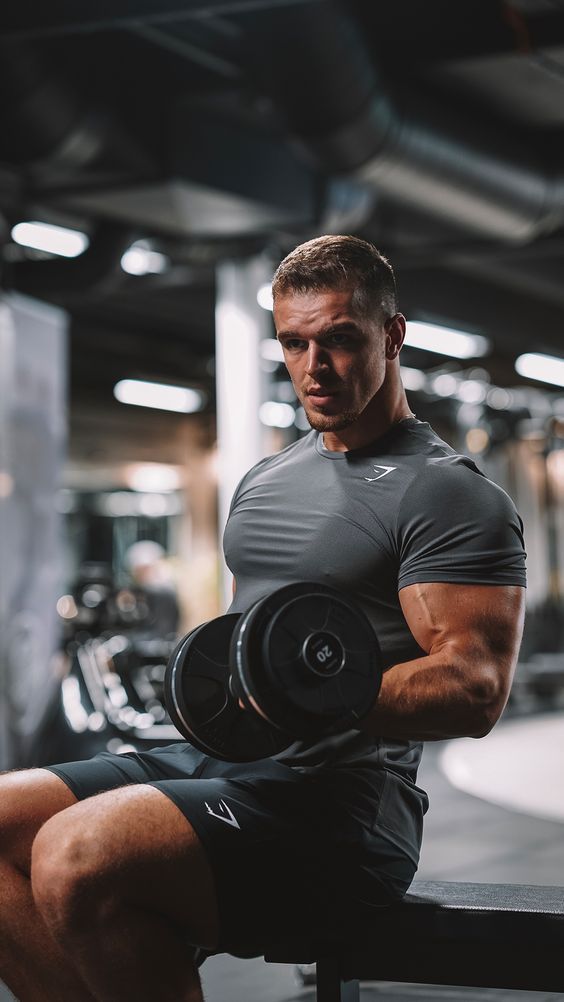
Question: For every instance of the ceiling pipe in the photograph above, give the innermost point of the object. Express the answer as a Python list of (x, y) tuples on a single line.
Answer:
[(320, 74), (67, 18), (46, 129)]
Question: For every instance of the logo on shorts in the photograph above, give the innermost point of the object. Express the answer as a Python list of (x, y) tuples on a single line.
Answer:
[(230, 820), (385, 470)]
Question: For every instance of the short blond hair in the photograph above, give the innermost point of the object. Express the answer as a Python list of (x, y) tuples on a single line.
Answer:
[(339, 262)]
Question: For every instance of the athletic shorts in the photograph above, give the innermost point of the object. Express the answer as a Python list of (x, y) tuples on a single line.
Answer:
[(290, 856)]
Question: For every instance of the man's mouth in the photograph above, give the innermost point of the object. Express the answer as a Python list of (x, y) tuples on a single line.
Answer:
[(321, 391), (321, 396)]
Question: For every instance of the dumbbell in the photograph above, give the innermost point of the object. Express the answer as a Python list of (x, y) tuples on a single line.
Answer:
[(304, 662)]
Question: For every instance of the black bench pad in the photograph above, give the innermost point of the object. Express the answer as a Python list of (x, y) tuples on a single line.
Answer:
[(488, 935)]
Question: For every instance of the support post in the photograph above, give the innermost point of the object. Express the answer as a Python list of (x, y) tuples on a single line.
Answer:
[(240, 324), (32, 448), (331, 986)]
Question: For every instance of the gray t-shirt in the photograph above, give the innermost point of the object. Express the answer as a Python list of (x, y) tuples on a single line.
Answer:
[(403, 510)]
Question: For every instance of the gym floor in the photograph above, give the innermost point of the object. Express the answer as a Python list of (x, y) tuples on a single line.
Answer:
[(466, 838)]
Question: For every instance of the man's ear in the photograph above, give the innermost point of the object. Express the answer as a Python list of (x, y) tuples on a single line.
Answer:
[(395, 334)]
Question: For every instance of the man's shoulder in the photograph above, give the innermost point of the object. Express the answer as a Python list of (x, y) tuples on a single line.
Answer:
[(442, 479), (429, 455), (450, 475), (452, 489), (419, 440)]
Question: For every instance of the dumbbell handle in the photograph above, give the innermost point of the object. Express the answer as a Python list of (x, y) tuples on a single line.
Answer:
[(244, 699)]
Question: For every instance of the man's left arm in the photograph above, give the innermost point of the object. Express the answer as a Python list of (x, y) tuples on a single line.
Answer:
[(471, 635)]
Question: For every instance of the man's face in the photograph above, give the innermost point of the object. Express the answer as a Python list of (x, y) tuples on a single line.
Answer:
[(336, 357)]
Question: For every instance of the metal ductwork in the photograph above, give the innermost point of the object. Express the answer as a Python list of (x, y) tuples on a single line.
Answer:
[(46, 128), (320, 74)]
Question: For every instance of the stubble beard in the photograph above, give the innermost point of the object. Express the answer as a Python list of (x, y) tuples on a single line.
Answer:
[(331, 422)]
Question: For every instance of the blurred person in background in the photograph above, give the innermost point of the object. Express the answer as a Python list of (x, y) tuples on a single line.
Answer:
[(145, 561)]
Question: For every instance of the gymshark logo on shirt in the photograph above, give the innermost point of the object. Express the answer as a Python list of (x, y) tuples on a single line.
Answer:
[(385, 470), (231, 820)]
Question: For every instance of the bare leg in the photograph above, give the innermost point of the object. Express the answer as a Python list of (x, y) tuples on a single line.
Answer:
[(31, 964), (125, 888)]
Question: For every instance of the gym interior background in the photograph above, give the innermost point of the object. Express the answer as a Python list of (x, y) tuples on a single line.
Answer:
[(157, 159)]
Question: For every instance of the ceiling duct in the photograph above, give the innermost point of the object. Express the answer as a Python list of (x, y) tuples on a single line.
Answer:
[(320, 74), (45, 128)]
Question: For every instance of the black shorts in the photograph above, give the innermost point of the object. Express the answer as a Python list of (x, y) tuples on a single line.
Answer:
[(288, 854)]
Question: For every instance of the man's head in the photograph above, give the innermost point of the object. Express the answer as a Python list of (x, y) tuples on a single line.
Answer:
[(336, 317), (340, 262)]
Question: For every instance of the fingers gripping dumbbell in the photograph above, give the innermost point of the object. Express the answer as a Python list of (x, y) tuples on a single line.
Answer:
[(305, 662)]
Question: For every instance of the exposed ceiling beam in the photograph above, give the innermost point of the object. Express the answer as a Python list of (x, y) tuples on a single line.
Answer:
[(28, 20), (186, 50)]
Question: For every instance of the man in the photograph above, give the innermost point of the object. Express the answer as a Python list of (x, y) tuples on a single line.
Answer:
[(103, 895)]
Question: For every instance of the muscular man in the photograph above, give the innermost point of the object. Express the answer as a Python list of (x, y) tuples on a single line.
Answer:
[(114, 870)]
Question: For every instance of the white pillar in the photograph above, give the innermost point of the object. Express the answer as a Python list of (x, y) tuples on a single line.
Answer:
[(241, 324), (32, 446)]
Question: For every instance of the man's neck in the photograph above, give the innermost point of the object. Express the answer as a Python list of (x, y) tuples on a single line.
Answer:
[(363, 432)]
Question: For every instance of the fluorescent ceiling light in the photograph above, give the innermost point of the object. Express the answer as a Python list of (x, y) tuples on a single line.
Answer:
[(139, 260), (160, 396), (544, 368), (51, 239), (264, 296), (277, 415), (445, 340), (153, 477), (123, 503)]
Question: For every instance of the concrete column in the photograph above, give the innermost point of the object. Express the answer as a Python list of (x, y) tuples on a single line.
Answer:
[(195, 546), (241, 324), (32, 444)]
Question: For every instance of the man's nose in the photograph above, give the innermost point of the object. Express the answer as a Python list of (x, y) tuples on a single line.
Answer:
[(317, 358)]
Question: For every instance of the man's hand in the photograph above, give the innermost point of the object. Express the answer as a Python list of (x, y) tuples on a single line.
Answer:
[(471, 635)]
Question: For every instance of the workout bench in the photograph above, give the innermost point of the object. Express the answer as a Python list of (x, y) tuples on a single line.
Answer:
[(474, 935)]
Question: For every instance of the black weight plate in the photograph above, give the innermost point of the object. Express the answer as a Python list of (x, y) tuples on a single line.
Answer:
[(272, 638), (200, 702), (171, 682)]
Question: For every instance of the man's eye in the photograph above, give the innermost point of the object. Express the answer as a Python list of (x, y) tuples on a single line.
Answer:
[(339, 338), (292, 343)]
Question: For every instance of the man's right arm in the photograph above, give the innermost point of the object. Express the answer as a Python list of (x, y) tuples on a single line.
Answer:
[(471, 636)]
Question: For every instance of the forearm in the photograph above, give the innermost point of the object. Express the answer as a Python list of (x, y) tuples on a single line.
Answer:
[(435, 697)]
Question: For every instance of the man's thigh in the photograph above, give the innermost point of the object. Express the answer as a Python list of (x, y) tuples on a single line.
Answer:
[(283, 851), (178, 831), (133, 847), (226, 841)]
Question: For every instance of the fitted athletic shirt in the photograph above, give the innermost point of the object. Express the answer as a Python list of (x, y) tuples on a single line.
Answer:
[(324, 835), (403, 510)]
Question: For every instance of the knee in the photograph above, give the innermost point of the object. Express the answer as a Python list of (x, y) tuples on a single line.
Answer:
[(27, 799), (11, 806), (17, 815), (65, 870)]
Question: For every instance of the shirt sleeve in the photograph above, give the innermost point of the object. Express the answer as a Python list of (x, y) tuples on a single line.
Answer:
[(455, 525)]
